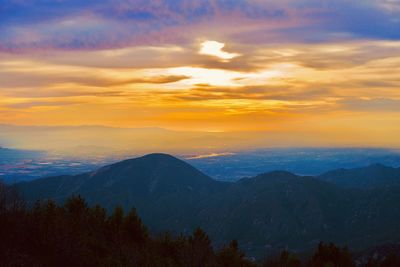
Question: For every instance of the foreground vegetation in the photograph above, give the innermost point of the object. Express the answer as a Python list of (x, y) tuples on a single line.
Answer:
[(77, 235)]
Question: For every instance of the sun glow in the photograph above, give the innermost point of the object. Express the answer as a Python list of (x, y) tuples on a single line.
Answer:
[(282, 88), (214, 48)]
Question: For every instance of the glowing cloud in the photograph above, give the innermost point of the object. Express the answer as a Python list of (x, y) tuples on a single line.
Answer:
[(215, 77), (303, 68), (214, 48)]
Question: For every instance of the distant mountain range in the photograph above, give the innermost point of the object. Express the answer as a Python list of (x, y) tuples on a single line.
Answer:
[(112, 140), (271, 211), (7, 154), (372, 176)]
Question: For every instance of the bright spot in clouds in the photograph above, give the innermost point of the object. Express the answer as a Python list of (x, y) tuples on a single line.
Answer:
[(214, 48), (218, 77)]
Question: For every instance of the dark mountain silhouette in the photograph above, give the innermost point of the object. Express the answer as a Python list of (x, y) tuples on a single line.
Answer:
[(265, 213), (75, 234), (151, 175), (282, 209), (369, 177), (165, 190)]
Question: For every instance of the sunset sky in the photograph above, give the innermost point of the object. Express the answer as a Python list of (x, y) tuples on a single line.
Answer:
[(288, 66)]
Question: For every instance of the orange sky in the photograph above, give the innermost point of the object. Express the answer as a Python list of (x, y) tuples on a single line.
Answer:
[(321, 88), (344, 90)]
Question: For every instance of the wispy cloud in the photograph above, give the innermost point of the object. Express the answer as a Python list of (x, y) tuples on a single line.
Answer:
[(32, 104), (262, 65), (92, 24)]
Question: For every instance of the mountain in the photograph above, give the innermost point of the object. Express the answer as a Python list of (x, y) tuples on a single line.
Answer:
[(278, 210), (161, 187), (369, 177), (154, 174), (265, 213)]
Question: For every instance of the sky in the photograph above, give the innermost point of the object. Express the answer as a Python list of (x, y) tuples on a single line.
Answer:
[(318, 72)]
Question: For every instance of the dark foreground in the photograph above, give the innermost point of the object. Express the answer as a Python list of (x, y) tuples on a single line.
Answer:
[(77, 235)]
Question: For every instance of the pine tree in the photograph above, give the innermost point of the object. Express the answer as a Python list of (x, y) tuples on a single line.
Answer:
[(285, 259), (231, 256), (134, 230), (331, 255)]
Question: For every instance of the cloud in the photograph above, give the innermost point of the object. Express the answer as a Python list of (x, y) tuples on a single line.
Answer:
[(302, 64), (214, 48), (371, 105), (93, 25), (33, 104), (157, 80), (291, 77), (261, 92)]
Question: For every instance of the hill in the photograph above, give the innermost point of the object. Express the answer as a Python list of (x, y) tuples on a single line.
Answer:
[(265, 213), (372, 176), (161, 187)]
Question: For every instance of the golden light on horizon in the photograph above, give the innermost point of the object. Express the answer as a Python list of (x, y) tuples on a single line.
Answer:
[(268, 88)]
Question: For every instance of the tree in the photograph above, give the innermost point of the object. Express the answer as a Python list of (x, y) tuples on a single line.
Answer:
[(198, 251), (331, 255), (231, 256), (285, 259), (116, 220), (134, 230)]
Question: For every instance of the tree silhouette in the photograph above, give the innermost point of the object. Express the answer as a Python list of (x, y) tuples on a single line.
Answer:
[(285, 259), (75, 234), (231, 256), (331, 255), (133, 228)]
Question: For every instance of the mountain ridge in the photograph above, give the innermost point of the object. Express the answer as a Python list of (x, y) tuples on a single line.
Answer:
[(271, 210), (365, 177)]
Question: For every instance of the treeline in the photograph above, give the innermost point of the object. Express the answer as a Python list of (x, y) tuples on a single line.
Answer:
[(78, 235)]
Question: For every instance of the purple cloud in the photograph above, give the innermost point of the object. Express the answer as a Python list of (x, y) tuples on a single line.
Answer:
[(90, 24)]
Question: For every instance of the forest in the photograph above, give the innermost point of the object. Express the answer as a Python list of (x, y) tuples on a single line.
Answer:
[(75, 234)]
